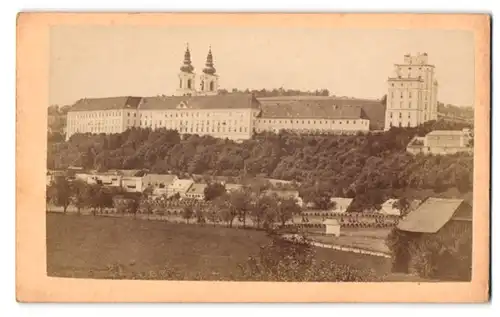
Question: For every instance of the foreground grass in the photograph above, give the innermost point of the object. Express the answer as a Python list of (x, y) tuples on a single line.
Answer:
[(95, 247)]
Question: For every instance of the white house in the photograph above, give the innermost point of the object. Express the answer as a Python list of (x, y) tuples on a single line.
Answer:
[(179, 186), (132, 184), (196, 191)]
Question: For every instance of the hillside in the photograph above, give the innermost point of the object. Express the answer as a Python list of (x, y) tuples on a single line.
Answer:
[(368, 167)]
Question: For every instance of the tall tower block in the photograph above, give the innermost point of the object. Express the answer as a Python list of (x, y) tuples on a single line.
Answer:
[(186, 77), (412, 93), (209, 80)]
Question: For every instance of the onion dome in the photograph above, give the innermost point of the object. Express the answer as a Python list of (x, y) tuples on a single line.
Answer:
[(209, 65), (186, 66)]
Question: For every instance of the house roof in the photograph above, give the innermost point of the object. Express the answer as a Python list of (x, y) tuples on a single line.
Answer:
[(229, 101), (110, 103), (445, 132), (310, 109), (197, 189), (342, 202), (166, 179), (433, 214), (182, 183), (233, 186)]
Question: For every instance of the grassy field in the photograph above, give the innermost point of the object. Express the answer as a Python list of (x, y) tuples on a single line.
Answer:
[(87, 246)]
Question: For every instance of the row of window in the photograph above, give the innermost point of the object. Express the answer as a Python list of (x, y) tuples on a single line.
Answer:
[(400, 115), (314, 121), (186, 122), (99, 114), (192, 114)]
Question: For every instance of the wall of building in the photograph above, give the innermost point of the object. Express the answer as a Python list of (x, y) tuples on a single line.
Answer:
[(221, 123), (311, 125), (100, 121), (412, 93)]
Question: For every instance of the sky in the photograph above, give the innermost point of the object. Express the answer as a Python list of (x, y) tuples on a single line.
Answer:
[(105, 61)]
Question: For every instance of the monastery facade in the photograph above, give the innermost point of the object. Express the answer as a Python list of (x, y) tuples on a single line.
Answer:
[(205, 112)]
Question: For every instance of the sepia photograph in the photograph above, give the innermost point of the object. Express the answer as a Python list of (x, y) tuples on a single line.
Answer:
[(262, 153)]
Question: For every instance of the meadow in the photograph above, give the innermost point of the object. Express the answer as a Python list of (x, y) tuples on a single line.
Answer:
[(85, 246)]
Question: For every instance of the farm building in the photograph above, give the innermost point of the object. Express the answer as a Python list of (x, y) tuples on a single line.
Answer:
[(435, 240)]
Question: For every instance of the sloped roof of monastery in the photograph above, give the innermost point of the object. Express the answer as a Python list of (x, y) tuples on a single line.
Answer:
[(228, 101), (433, 214), (110, 103), (310, 109)]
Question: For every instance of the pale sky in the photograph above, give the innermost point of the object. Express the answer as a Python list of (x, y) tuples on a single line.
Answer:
[(104, 61)]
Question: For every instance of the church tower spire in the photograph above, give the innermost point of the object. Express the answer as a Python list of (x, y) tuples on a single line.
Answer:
[(186, 76), (209, 65), (186, 66), (209, 80)]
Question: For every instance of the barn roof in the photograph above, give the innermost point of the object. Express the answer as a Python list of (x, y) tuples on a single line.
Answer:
[(434, 213), (110, 103)]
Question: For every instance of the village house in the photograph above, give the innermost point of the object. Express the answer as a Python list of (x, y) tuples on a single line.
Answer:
[(196, 191), (389, 207), (442, 142), (159, 182), (179, 186), (133, 184), (435, 240), (340, 204)]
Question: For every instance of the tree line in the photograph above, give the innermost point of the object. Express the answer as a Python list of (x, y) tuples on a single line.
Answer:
[(369, 167), (220, 206)]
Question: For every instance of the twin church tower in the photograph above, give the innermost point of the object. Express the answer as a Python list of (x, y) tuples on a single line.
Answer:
[(187, 78)]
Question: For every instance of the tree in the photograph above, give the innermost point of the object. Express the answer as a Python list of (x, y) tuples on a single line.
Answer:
[(96, 197), (241, 203), (200, 216), (213, 215), (263, 210), (295, 260), (403, 205), (133, 205), (287, 208), (60, 193), (81, 194), (146, 206), (187, 213), (214, 190), (225, 210)]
